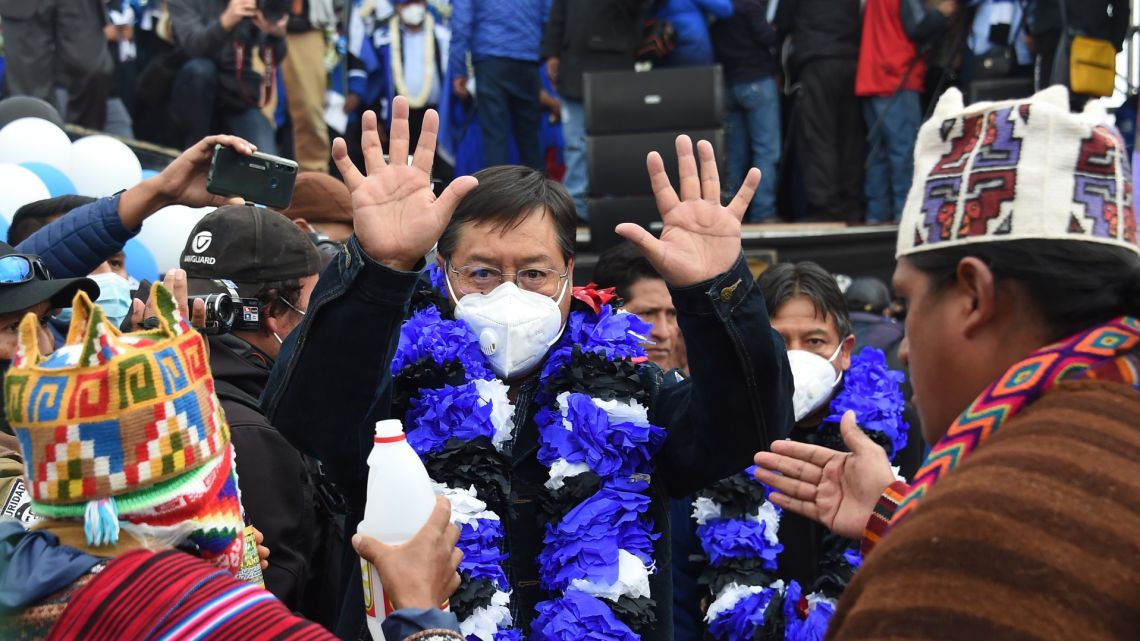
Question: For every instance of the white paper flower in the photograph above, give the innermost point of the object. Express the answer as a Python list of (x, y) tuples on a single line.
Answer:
[(484, 622), (732, 594), (561, 470), (502, 410), (632, 580), (770, 517), (705, 510), (623, 411), (466, 508)]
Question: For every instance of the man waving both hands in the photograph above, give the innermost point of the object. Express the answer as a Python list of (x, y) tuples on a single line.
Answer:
[(528, 398)]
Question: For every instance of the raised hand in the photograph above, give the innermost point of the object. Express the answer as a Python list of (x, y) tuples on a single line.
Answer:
[(396, 217), (701, 238), (837, 489)]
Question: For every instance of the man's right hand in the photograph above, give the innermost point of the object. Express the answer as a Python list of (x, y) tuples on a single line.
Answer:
[(237, 11), (552, 67), (459, 84), (837, 489), (422, 572), (395, 215)]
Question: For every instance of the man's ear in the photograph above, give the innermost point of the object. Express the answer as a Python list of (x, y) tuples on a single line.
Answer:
[(846, 349), (269, 324), (975, 291), (303, 224)]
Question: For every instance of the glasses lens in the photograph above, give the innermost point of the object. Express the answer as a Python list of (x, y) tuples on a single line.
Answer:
[(15, 269), (478, 279), (536, 280)]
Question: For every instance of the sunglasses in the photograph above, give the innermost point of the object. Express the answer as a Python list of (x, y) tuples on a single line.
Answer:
[(19, 268)]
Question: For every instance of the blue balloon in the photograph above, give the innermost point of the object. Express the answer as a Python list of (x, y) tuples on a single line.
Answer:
[(149, 173), (56, 181), (140, 263), (3, 229)]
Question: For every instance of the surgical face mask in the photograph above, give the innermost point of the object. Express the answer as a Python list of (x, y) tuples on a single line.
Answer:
[(413, 14), (514, 327), (114, 298), (814, 377)]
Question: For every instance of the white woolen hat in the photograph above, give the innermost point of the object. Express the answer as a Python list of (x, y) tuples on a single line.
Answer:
[(1018, 170)]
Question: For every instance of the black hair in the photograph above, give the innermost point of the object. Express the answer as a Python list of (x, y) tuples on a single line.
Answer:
[(35, 215), (784, 281), (505, 197), (269, 296), (621, 266), (1073, 284)]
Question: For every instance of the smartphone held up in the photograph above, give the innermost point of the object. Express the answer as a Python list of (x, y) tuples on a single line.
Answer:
[(262, 179)]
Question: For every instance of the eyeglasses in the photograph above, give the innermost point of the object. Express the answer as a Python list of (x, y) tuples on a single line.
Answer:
[(20, 268), (479, 279), (291, 305)]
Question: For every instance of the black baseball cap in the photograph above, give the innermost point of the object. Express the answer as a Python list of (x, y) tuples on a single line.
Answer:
[(249, 246), (868, 294), (25, 282)]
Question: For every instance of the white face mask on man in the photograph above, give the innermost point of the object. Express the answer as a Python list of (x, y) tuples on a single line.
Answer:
[(413, 14), (815, 378), (515, 327)]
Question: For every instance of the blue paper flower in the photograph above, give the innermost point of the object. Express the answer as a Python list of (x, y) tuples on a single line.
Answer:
[(814, 628), (793, 594), (482, 555), (872, 390), (576, 616), (426, 335), (724, 539), (510, 634), (853, 557), (437, 277), (585, 543), (448, 412), (609, 449), (744, 619), (614, 334)]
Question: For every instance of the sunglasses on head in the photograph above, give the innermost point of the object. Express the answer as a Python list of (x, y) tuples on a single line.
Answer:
[(20, 268)]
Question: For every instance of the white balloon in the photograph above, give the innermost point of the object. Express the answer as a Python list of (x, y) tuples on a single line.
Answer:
[(35, 140), (166, 231), (102, 165), (18, 187)]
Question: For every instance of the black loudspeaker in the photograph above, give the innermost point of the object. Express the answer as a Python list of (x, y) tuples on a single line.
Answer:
[(607, 213), (999, 89), (617, 163), (620, 102)]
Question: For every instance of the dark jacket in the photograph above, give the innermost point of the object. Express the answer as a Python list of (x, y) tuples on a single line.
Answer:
[(198, 33), (821, 29), (591, 35), (75, 244), (332, 383), (744, 42), (1085, 17), (275, 489)]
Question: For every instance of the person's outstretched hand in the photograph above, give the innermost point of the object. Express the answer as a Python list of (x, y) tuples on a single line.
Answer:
[(837, 489), (701, 238), (396, 217), (175, 281), (422, 572)]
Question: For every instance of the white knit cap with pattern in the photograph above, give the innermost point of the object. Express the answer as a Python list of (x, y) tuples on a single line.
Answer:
[(1018, 170)]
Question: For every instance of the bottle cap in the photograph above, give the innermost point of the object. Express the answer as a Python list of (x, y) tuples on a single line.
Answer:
[(389, 431)]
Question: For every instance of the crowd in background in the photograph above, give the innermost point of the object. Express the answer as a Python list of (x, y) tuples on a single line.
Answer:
[(824, 97)]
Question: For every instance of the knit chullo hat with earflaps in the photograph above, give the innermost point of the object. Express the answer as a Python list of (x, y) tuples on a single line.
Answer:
[(127, 427), (1018, 170)]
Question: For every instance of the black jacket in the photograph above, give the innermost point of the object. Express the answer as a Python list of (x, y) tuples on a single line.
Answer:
[(591, 35), (1085, 17), (821, 29), (333, 382), (744, 42), (275, 489)]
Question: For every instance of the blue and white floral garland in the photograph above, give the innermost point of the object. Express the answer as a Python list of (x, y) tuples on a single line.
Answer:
[(594, 437), (738, 526)]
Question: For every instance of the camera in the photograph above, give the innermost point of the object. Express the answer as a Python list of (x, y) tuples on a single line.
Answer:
[(226, 310), (274, 10)]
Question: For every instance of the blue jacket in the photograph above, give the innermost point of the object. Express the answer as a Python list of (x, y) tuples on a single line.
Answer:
[(690, 20), (75, 244), (496, 29), (737, 402)]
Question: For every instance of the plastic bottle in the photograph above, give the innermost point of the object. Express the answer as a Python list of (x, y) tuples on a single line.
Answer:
[(400, 501)]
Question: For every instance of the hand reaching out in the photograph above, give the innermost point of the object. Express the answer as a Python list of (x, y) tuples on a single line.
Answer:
[(837, 489), (395, 215), (701, 238), (175, 281)]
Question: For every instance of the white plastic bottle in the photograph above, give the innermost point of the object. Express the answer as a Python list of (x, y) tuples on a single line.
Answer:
[(400, 501)]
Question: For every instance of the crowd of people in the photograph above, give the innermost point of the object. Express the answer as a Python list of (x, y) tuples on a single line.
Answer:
[(824, 98), (678, 450)]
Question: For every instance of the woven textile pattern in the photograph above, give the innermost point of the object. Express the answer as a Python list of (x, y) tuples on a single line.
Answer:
[(1022, 384)]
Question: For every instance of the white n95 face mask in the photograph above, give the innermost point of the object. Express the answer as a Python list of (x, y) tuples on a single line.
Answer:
[(515, 327), (413, 14), (814, 377)]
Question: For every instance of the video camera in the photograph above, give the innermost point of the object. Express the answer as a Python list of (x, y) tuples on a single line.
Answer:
[(274, 10), (226, 310)]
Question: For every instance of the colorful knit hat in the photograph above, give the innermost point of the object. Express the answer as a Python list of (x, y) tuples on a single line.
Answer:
[(1018, 170), (126, 426)]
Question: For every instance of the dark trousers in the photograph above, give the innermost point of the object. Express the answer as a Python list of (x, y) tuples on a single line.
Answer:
[(831, 140), (64, 37), (507, 94), (193, 104)]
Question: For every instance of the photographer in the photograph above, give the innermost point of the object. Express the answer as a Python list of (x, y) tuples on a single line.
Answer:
[(218, 88), (273, 267)]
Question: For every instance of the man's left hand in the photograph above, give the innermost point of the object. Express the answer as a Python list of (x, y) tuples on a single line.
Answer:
[(701, 238)]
